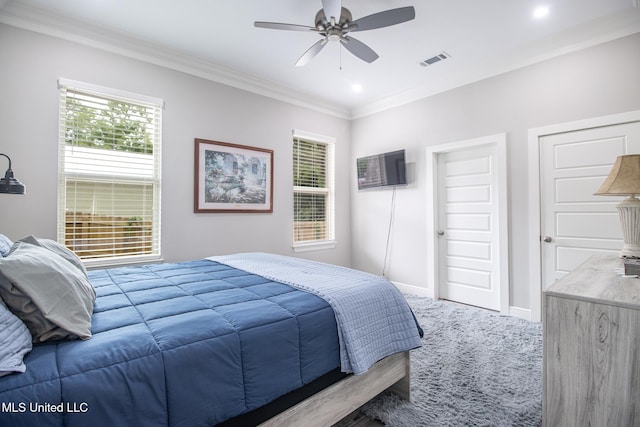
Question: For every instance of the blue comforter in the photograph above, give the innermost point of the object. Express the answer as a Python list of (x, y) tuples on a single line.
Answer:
[(374, 320), (183, 344)]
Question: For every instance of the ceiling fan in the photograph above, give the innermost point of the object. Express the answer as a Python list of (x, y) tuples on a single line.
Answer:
[(333, 22)]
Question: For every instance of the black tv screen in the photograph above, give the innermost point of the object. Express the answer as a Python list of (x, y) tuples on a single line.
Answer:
[(382, 170)]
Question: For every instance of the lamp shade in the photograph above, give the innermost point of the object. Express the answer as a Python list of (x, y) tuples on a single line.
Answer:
[(9, 184), (624, 178)]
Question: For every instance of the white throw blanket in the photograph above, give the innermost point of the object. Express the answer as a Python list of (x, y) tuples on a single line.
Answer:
[(373, 318)]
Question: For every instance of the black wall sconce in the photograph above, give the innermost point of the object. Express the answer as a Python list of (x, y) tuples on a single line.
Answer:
[(9, 184)]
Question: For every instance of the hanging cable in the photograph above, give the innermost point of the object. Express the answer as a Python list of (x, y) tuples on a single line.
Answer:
[(391, 215)]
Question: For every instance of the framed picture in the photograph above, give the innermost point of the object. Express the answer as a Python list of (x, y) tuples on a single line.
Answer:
[(232, 178)]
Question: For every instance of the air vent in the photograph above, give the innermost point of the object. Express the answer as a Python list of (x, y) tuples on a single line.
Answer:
[(436, 58)]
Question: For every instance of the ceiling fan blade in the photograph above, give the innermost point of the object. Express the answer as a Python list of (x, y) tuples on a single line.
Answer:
[(359, 49), (280, 26), (311, 52), (383, 19), (332, 8)]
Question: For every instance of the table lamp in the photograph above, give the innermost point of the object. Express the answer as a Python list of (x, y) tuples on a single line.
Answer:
[(624, 180)]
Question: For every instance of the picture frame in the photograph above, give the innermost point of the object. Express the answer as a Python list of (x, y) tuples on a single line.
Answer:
[(232, 178)]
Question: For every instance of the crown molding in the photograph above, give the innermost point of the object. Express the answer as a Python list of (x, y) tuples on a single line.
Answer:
[(31, 19)]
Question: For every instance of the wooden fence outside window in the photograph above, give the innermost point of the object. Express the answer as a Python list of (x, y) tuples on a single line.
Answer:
[(97, 236), (309, 230)]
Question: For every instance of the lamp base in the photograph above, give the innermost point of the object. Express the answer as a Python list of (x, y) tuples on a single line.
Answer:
[(629, 212), (629, 252)]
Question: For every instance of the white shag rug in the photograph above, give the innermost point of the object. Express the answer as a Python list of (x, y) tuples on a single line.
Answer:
[(475, 368)]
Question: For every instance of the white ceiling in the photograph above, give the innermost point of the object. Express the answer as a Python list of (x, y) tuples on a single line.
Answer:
[(216, 39)]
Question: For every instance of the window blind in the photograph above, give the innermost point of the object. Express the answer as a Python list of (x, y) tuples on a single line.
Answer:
[(313, 189), (109, 172)]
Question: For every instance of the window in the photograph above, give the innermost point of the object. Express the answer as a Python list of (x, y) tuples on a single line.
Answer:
[(109, 174), (313, 191)]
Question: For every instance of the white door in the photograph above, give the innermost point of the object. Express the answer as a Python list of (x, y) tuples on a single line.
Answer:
[(469, 267), (575, 224)]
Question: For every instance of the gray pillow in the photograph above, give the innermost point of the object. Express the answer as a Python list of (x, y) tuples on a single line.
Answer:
[(15, 342), (56, 247), (5, 245), (48, 293)]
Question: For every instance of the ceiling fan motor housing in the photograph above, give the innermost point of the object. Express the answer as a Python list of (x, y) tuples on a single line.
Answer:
[(323, 24)]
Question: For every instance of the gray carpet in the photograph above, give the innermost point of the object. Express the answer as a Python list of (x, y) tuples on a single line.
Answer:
[(475, 368)]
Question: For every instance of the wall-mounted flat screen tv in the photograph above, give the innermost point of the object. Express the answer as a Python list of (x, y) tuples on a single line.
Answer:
[(381, 170)]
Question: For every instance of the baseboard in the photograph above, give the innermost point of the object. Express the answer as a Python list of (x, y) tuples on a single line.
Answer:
[(413, 290), (523, 313)]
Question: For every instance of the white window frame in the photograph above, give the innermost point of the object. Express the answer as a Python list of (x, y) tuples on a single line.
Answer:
[(329, 242), (154, 177)]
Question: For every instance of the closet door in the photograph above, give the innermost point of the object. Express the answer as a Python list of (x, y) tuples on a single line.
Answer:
[(575, 224)]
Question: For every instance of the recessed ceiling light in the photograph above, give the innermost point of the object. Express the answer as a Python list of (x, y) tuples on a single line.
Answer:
[(540, 12), (356, 88)]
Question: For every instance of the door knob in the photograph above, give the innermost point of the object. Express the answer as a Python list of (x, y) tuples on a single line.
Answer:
[(547, 239), (440, 233)]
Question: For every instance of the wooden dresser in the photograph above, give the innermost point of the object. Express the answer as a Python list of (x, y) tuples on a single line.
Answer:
[(591, 325)]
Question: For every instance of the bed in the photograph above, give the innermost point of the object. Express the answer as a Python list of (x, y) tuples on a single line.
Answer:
[(240, 339)]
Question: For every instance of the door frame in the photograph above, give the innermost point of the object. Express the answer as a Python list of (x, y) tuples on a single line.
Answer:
[(500, 143), (535, 218)]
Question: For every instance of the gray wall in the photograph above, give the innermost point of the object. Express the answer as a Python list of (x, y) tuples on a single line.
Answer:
[(598, 81), (195, 108)]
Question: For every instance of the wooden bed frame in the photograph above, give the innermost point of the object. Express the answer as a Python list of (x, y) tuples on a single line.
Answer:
[(335, 402)]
